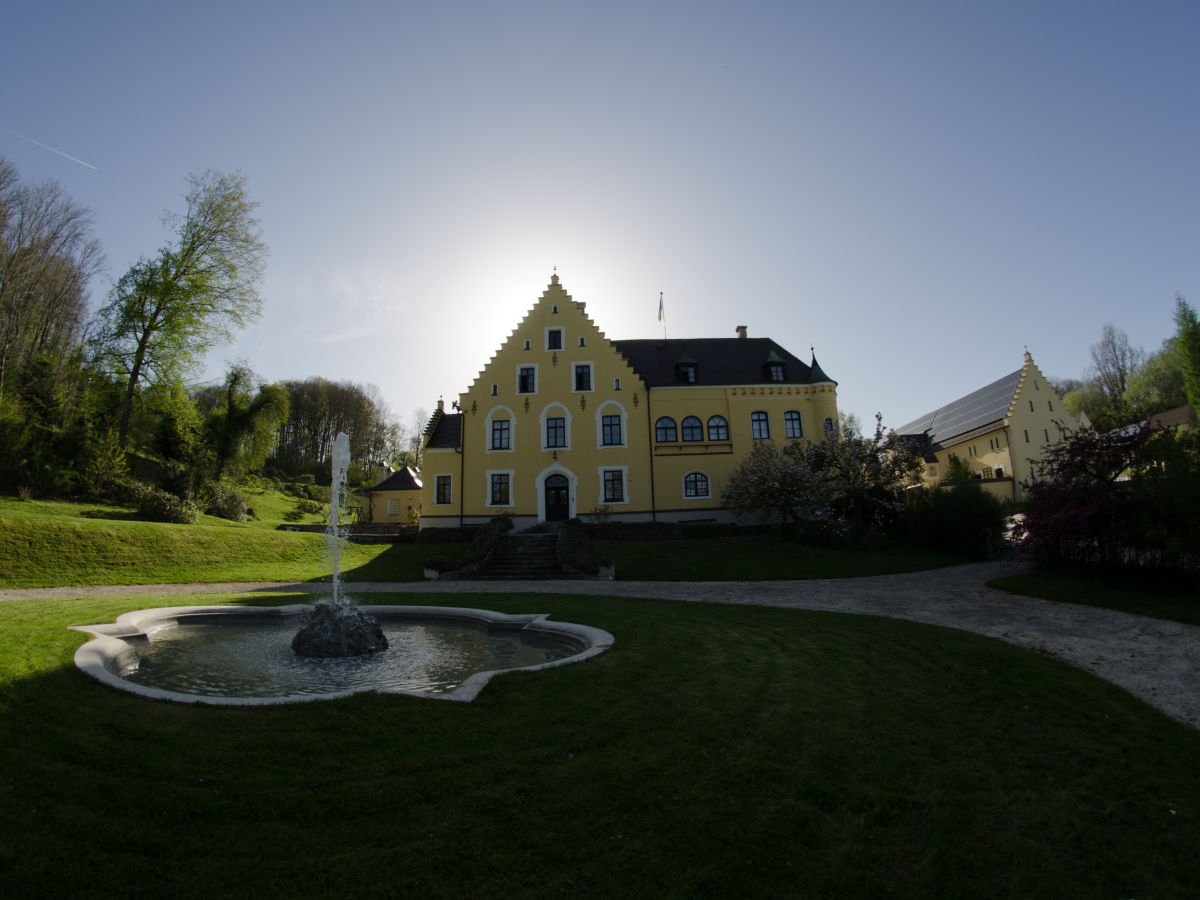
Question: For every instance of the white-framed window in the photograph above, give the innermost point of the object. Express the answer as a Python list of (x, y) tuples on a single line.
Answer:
[(760, 426), (499, 430), (501, 434), (500, 487), (443, 490), (616, 384), (718, 428), (793, 427), (582, 377), (395, 507), (614, 486), (554, 338), (555, 424), (696, 486), (611, 425), (527, 379)]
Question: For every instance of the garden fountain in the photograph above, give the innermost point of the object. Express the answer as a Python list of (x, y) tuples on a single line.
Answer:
[(337, 627), (252, 655)]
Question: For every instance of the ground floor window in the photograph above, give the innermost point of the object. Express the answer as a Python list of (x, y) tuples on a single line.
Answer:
[(443, 493), (695, 485), (614, 486), (395, 507), (500, 489)]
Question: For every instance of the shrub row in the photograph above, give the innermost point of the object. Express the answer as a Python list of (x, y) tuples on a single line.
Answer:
[(574, 549), (484, 541)]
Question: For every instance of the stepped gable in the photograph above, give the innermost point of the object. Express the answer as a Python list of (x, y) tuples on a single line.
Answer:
[(985, 406), (554, 293), (717, 361)]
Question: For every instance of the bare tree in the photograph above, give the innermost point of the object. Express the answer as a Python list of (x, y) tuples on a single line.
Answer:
[(47, 258), (1114, 361)]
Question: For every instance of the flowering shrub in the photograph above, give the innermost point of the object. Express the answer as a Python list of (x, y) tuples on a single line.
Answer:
[(836, 487), (1130, 496)]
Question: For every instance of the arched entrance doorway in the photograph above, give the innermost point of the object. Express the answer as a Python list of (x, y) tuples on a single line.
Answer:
[(558, 504)]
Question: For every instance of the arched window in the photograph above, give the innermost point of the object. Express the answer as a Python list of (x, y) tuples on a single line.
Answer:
[(692, 429), (792, 426), (718, 429), (760, 427), (695, 485), (664, 430)]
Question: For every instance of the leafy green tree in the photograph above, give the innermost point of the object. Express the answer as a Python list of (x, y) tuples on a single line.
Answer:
[(1187, 348), (1157, 384), (957, 469), (242, 428), (165, 313)]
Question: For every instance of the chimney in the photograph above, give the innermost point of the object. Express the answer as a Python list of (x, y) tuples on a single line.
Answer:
[(441, 406), (741, 331)]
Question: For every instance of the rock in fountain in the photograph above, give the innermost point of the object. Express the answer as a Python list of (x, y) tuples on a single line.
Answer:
[(337, 627)]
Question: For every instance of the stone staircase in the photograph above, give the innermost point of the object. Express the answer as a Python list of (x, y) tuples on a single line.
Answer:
[(526, 556)]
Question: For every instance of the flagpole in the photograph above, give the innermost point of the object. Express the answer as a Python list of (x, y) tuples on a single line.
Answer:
[(662, 316)]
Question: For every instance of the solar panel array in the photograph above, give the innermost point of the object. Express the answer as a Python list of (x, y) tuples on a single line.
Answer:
[(976, 409)]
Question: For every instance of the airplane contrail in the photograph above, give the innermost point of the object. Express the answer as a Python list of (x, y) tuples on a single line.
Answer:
[(51, 149)]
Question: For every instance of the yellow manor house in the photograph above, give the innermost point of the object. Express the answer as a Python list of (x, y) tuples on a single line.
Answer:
[(564, 422)]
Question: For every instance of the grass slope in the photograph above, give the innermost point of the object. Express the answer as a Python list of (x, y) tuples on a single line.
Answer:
[(714, 751), (46, 544)]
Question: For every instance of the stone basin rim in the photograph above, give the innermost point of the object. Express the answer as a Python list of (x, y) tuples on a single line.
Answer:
[(105, 655)]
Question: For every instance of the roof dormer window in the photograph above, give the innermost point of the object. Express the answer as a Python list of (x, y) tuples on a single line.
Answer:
[(774, 367), (685, 369)]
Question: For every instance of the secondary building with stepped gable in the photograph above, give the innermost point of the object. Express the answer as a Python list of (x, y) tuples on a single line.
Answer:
[(564, 422), (1000, 430)]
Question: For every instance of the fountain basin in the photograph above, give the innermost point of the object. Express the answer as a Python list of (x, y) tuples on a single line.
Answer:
[(242, 663)]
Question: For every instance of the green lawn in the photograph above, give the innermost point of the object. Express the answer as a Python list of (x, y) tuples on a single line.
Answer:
[(1146, 593), (716, 750)]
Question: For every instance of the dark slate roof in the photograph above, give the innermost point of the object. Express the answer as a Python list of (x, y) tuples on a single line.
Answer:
[(404, 480), (718, 361), (983, 407), (444, 430)]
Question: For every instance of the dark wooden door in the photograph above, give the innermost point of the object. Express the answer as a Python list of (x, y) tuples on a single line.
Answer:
[(558, 507)]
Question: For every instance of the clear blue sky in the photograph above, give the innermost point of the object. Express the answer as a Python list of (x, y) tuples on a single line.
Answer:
[(919, 190)]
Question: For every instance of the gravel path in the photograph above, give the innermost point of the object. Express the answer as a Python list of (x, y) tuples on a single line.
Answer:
[(1153, 659)]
